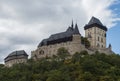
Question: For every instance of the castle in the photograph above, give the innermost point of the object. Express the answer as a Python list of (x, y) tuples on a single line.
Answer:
[(95, 32)]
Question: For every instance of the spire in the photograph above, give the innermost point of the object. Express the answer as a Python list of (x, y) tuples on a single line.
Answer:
[(76, 30), (76, 26), (72, 25)]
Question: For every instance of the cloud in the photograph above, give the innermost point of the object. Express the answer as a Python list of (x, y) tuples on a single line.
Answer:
[(24, 23)]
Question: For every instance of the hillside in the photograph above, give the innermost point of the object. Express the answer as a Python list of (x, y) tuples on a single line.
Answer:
[(80, 67)]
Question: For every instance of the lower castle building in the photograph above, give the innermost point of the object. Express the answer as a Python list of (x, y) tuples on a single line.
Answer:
[(95, 32), (15, 58)]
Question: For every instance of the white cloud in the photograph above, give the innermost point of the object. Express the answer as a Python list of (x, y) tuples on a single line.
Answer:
[(24, 23)]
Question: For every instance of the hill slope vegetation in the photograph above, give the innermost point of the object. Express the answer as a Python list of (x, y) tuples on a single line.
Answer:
[(63, 67)]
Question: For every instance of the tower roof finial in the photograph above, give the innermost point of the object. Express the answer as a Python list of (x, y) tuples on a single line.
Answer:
[(76, 30), (72, 25)]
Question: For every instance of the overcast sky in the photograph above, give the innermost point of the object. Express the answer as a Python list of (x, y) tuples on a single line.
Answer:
[(24, 23)]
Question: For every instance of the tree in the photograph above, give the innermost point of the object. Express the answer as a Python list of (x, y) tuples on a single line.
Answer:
[(62, 53), (86, 76), (85, 42), (76, 57), (57, 75), (106, 78), (81, 67)]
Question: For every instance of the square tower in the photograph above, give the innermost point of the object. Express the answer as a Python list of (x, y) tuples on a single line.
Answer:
[(95, 31)]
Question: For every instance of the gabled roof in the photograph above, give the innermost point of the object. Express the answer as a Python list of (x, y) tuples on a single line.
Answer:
[(95, 22), (68, 33)]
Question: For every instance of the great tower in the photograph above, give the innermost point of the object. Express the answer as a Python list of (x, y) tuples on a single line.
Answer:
[(95, 31)]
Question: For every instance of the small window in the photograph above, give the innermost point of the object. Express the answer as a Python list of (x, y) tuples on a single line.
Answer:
[(101, 39), (50, 46), (98, 38), (41, 52), (105, 34), (102, 46), (98, 45)]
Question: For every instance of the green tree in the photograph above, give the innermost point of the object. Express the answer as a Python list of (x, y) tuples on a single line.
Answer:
[(87, 76), (106, 78), (76, 57), (62, 53), (81, 67), (85, 42), (57, 75)]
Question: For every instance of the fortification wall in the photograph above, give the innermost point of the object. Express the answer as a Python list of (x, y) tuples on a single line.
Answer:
[(15, 61), (72, 47), (50, 50)]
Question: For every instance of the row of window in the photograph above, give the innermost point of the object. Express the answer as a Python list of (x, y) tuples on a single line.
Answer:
[(100, 39), (102, 34), (98, 45), (99, 31)]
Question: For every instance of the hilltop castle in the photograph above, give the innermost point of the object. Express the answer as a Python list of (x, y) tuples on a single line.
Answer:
[(95, 32)]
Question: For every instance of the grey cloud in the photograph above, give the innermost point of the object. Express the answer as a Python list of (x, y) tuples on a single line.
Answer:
[(42, 10)]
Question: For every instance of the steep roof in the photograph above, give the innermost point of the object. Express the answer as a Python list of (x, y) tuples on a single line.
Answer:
[(17, 53), (76, 30), (95, 22), (68, 33)]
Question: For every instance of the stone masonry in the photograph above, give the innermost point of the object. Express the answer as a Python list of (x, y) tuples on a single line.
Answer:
[(95, 32)]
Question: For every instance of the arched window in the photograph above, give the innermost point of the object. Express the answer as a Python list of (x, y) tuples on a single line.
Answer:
[(41, 52)]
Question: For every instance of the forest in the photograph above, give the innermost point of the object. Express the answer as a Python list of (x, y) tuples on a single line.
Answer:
[(64, 67)]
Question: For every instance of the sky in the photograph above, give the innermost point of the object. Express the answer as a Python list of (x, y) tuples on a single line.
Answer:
[(24, 23)]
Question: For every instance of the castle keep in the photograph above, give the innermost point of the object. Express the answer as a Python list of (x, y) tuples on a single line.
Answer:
[(95, 32)]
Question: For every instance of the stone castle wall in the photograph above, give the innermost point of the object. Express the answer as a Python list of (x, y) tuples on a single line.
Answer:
[(72, 47), (15, 61)]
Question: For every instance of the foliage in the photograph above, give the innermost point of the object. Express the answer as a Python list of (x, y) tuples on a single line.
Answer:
[(85, 42), (62, 53), (80, 67)]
